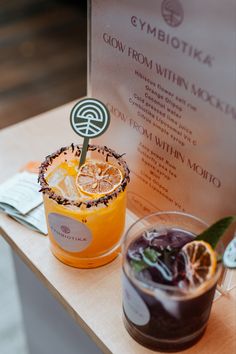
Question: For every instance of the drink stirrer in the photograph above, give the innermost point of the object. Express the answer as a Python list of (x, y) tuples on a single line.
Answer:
[(89, 118)]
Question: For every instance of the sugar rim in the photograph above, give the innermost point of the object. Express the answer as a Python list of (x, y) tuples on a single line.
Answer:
[(76, 149)]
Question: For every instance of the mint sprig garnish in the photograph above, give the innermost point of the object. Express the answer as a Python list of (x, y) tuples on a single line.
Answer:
[(138, 266), (151, 254), (213, 234), (150, 257)]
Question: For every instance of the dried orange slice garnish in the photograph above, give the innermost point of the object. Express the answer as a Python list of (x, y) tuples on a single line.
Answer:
[(200, 262), (95, 177)]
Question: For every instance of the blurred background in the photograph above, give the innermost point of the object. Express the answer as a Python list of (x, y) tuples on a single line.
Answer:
[(43, 58)]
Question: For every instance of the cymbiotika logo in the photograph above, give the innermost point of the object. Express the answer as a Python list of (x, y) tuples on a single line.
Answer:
[(172, 12)]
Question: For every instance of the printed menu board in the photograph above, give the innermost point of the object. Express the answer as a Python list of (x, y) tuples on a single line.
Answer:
[(166, 71)]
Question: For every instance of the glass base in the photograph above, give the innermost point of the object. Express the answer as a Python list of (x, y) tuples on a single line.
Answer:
[(163, 345), (87, 262)]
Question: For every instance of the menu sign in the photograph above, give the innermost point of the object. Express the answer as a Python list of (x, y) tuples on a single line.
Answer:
[(166, 71)]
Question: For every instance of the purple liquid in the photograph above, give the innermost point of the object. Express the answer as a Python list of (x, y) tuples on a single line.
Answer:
[(169, 269), (173, 324)]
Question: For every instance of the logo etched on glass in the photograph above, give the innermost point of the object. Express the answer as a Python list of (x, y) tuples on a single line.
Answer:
[(172, 12)]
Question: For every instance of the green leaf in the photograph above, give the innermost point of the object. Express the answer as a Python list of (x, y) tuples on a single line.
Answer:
[(138, 266), (151, 254), (216, 231)]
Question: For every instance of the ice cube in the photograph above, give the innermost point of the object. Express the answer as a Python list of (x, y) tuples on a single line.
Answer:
[(70, 190), (154, 233), (134, 254), (56, 177)]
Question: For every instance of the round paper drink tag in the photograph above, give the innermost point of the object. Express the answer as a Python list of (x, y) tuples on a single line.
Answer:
[(229, 257), (70, 234), (134, 307), (89, 118)]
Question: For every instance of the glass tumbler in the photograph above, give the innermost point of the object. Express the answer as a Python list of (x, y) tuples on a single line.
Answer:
[(164, 317)]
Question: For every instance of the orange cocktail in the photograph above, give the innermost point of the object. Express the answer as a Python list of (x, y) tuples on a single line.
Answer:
[(85, 207)]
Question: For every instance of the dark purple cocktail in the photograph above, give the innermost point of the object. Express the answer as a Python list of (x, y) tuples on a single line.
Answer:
[(162, 309)]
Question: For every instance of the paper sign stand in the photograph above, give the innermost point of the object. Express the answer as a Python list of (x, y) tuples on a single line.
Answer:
[(164, 79), (171, 99)]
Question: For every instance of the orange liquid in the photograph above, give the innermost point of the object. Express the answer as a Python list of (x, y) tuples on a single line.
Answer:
[(105, 224)]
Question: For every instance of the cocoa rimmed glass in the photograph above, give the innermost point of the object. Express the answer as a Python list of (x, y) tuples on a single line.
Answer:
[(84, 233)]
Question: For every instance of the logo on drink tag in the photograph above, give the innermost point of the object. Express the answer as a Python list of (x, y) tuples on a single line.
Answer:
[(90, 118), (229, 257), (70, 234), (134, 306)]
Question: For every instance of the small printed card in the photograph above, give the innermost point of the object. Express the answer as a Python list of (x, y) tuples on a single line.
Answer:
[(19, 198)]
